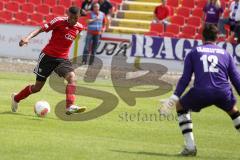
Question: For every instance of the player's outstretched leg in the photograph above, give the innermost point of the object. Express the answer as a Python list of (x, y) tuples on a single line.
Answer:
[(16, 98), (70, 95), (235, 116), (185, 124)]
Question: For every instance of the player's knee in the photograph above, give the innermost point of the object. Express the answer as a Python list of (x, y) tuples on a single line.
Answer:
[(71, 77), (179, 106), (36, 88), (233, 110)]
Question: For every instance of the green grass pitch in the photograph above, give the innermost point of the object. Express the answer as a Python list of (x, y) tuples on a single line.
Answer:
[(24, 136)]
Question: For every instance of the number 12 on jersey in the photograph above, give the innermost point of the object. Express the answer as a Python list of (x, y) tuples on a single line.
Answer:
[(209, 63)]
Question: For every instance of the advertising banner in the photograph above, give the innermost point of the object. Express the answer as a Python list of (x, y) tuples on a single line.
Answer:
[(169, 52)]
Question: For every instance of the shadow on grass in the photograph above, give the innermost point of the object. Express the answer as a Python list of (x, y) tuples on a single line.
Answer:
[(172, 155), (34, 117), (147, 153)]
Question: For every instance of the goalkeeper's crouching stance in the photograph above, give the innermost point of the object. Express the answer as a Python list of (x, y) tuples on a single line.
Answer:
[(212, 67)]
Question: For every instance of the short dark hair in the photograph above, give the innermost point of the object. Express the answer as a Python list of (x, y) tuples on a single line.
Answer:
[(74, 10), (210, 32)]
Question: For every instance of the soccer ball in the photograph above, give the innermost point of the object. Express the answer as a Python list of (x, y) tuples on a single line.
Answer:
[(42, 108)]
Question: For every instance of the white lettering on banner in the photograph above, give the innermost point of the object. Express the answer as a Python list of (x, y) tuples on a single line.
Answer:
[(180, 51), (229, 47), (237, 51), (220, 44), (148, 47), (139, 46), (166, 49), (168, 52), (188, 50)]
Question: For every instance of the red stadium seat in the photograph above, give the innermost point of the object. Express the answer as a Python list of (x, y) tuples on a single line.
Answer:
[(197, 12), (15, 22), (6, 15), (21, 16), (50, 2), (1, 6), (27, 8), (77, 2), (117, 1), (183, 11), (48, 18), (156, 28), (200, 30), (12, 6), (172, 28), (38, 18), (194, 21), (201, 4), (186, 36), (198, 36), (173, 3), (2, 20), (31, 23), (19, 1), (35, 2), (152, 33), (171, 11), (43, 9), (58, 10), (66, 3), (167, 34), (188, 3), (188, 32), (179, 20)]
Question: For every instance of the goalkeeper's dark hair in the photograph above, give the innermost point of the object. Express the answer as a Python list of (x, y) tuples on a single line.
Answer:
[(74, 10), (210, 33)]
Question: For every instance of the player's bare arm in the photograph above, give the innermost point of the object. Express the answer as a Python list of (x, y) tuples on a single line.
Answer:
[(25, 40)]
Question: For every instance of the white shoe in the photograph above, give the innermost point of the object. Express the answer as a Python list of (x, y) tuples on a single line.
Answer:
[(188, 152), (14, 103), (75, 109)]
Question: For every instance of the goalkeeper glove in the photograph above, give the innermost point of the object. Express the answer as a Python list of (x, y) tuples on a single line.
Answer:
[(168, 105)]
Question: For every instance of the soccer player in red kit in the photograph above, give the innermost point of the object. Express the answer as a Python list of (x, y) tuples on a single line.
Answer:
[(54, 57)]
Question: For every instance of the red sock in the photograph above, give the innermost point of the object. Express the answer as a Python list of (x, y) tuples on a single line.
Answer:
[(23, 94), (70, 95)]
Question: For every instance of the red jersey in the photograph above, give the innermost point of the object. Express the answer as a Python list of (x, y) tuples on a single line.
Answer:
[(63, 35), (161, 12)]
